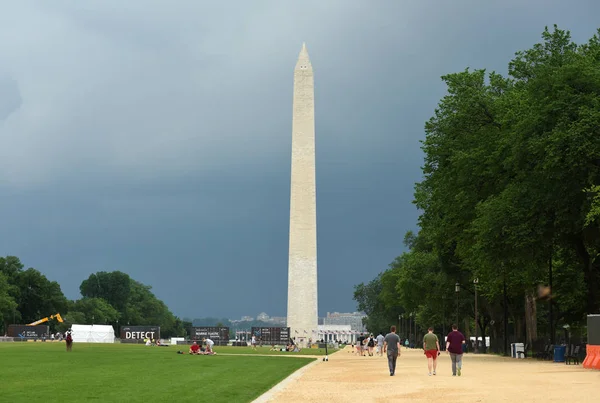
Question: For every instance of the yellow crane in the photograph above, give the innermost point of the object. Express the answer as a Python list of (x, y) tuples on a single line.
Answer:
[(37, 322)]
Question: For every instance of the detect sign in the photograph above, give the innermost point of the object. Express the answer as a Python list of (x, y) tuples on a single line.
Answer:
[(137, 334)]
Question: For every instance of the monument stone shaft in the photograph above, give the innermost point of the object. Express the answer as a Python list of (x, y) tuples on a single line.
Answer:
[(302, 313)]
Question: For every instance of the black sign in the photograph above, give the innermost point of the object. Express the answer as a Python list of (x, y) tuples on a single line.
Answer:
[(29, 332), (137, 334), (272, 335), (220, 335), (593, 328)]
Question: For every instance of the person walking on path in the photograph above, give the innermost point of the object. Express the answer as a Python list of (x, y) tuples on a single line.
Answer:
[(431, 346), (454, 343), (371, 344), (380, 339), (391, 345), (360, 344)]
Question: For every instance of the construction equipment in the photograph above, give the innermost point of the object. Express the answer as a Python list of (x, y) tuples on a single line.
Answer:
[(57, 317)]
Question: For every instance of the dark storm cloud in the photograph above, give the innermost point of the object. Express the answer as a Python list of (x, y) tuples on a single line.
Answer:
[(154, 137)]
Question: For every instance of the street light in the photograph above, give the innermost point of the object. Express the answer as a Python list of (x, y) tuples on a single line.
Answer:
[(402, 326), (415, 327), (457, 290), (409, 328), (444, 321), (475, 282)]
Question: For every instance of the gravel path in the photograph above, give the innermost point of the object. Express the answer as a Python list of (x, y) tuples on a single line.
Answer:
[(350, 378)]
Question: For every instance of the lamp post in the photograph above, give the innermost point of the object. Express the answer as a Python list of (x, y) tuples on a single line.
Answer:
[(415, 328), (402, 325), (551, 312), (457, 291), (409, 328), (475, 282), (505, 315), (444, 321)]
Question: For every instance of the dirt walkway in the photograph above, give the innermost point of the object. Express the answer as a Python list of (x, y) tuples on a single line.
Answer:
[(350, 378)]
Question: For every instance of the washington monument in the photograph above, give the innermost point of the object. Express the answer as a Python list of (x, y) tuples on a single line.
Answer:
[(302, 313)]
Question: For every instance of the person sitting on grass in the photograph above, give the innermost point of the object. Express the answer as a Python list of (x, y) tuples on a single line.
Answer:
[(209, 346), (195, 349)]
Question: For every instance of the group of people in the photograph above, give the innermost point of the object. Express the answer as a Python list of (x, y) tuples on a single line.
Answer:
[(431, 347), (367, 343), (197, 349)]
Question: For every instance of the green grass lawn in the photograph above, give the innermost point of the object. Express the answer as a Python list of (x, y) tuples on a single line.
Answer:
[(42, 372)]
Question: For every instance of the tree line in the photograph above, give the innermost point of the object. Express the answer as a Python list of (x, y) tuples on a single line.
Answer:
[(107, 298), (509, 202)]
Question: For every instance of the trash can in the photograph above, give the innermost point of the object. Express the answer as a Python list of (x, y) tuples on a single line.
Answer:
[(559, 353), (519, 350)]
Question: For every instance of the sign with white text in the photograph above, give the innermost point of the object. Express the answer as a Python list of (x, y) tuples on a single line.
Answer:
[(137, 334), (272, 335), (29, 332), (220, 335)]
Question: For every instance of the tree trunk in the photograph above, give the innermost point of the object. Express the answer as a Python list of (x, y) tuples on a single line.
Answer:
[(591, 275), (530, 317), (483, 327), (518, 328)]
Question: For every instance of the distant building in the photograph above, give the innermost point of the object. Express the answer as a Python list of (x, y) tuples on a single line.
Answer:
[(354, 320), (339, 333), (247, 319), (278, 320), (262, 317)]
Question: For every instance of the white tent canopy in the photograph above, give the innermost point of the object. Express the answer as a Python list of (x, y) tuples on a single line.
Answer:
[(93, 334)]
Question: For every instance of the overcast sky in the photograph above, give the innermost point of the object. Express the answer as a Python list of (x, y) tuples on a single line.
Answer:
[(154, 137)]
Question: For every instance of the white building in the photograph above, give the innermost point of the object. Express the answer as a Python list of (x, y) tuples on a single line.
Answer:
[(352, 319), (263, 317), (341, 333), (278, 320)]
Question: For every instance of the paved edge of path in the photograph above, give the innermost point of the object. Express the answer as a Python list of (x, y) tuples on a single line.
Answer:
[(270, 394)]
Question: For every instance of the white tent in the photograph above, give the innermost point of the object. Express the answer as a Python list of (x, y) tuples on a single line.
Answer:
[(93, 334)]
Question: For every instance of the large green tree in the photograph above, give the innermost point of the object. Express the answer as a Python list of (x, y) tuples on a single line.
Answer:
[(114, 287), (8, 306), (509, 196), (130, 303), (36, 296)]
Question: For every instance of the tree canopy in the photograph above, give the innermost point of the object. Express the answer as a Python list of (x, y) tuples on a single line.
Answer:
[(107, 298), (510, 196)]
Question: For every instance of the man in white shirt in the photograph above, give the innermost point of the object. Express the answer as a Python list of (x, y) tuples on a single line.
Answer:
[(209, 345), (380, 339)]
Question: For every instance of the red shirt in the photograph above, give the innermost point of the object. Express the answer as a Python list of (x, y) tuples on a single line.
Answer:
[(195, 348), (455, 338)]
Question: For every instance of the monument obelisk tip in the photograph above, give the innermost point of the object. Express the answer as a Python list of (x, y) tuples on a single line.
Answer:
[(303, 52)]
